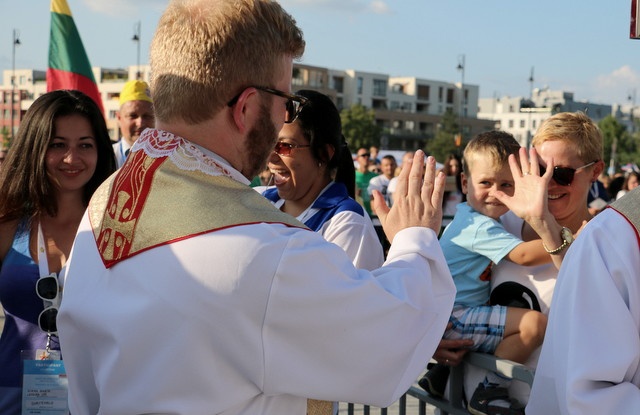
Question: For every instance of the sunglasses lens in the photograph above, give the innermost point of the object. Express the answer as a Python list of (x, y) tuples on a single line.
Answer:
[(283, 149), (563, 175), (47, 288), (292, 110), (47, 320)]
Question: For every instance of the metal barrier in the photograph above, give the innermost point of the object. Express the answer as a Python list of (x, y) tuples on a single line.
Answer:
[(455, 403)]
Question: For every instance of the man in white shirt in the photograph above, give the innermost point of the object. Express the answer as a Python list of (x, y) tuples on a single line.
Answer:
[(381, 182), (135, 114), (187, 292)]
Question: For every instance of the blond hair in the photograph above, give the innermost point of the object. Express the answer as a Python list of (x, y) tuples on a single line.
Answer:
[(577, 130), (205, 52), (494, 145)]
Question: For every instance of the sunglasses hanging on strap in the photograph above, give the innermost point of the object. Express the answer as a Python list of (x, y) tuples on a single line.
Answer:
[(48, 289)]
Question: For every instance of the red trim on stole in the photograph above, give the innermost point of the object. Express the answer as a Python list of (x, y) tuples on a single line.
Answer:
[(629, 221), (126, 202)]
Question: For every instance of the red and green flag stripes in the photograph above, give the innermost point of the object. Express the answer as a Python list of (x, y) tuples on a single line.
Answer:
[(69, 66)]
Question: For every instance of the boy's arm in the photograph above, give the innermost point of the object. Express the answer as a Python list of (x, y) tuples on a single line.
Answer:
[(529, 253)]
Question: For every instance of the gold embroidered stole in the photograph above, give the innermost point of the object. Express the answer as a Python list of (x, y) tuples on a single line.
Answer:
[(629, 206), (315, 407), (151, 202)]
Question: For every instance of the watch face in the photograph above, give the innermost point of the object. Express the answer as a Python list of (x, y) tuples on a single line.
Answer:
[(567, 235)]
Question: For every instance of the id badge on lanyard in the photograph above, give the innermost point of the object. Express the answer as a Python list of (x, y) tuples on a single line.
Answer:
[(44, 380), (44, 383)]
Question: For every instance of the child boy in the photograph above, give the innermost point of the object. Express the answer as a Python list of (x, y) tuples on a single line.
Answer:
[(471, 243)]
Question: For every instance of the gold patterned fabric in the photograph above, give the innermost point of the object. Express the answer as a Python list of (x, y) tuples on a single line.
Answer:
[(151, 202), (315, 407), (629, 206)]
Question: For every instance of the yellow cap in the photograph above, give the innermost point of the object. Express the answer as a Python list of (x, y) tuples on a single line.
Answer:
[(135, 91)]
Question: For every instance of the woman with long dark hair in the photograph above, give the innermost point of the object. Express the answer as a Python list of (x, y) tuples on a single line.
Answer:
[(60, 155)]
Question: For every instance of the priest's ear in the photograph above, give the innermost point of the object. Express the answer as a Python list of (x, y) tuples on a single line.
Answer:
[(245, 109)]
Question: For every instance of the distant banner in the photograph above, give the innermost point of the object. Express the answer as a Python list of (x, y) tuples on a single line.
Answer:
[(635, 28)]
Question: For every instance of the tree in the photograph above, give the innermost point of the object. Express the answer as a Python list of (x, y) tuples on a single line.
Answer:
[(5, 138), (444, 142), (626, 145), (359, 127)]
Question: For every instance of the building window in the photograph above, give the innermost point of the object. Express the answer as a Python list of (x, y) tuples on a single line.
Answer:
[(379, 104), (510, 123), (379, 88), (423, 92), (398, 88), (440, 94), (297, 78), (407, 106), (394, 105), (360, 84), (521, 123), (533, 124), (316, 79), (338, 83), (466, 96), (422, 107), (450, 94)]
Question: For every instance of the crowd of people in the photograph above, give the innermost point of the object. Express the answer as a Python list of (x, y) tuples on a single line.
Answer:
[(155, 255)]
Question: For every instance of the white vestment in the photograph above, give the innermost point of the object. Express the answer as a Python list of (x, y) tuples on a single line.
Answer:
[(590, 360), (247, 319)]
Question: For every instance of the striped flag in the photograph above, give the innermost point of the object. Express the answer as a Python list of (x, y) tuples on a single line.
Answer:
[(635, 20), (69, 66)]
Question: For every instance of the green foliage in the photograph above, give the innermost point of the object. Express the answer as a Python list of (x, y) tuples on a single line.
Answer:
[(627, 149), (5, 137), (444, 143), (359, 127)]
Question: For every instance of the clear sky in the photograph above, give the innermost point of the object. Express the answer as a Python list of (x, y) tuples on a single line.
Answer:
[(580, 46)]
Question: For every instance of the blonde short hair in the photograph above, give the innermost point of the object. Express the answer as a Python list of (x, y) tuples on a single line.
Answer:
[(577, 130), (496, 145), (204, 52)]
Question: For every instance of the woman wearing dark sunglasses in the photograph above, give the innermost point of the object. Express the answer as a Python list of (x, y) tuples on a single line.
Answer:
[(60, 155), (572, 143), (314, 179)]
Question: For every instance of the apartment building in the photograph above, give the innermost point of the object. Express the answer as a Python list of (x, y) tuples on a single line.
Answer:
[(408, 109), (522, 116), (31, 83)]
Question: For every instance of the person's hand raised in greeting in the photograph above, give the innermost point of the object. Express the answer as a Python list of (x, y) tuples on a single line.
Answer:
[(529, 200), (417, 199)]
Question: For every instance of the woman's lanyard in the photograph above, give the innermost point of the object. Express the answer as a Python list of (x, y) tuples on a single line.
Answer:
[(594, 190), (43, 262)]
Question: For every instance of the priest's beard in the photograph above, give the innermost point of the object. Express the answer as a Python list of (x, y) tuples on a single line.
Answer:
[(259, 144)]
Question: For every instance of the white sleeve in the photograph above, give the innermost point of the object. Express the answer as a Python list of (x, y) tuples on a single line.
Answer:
[(378, 329), (356, 235), (591, 354), (374, 184)]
